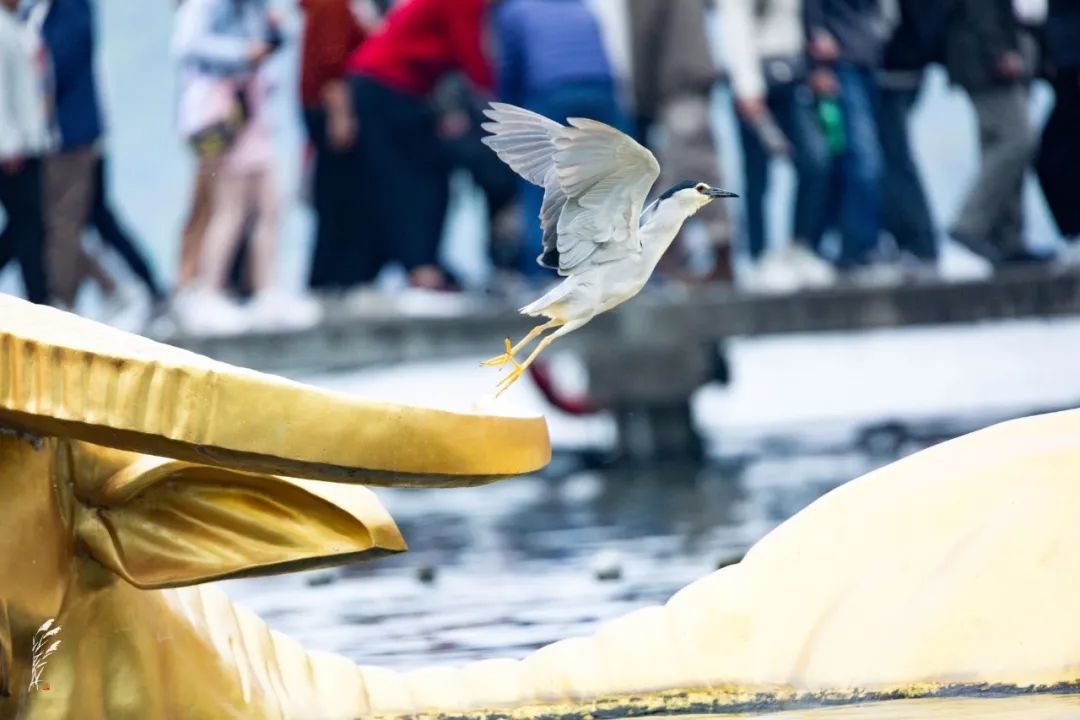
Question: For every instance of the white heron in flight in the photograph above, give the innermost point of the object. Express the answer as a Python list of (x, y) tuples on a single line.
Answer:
[(597, 232)]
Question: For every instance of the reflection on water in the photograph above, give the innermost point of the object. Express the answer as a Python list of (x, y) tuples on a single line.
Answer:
[(503, 569), (1042, 707)]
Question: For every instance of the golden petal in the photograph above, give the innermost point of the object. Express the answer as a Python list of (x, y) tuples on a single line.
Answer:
[(64, 375)]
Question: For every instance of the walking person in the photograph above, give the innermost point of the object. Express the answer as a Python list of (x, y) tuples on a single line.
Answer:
[(551, 60), (331, 33), (765, 50), (845, 42), (399, 159), (917, 41), (69, 173), (1058, 161), (984, 56), (225, 48), (25, 136), (674, 76), (113, 234)]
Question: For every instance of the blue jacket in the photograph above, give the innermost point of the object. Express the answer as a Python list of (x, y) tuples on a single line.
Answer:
[(69, 34), (859, 27), (544, 44)]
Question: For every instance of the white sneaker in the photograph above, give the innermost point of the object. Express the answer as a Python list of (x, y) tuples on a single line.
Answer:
[(421, 302), (876, 275), (774, 274), (920, 271), (1069, 255), (812, 269), (275, 309), (200, 311)]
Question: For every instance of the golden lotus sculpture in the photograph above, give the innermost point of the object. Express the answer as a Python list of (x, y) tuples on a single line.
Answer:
[(132, 474)]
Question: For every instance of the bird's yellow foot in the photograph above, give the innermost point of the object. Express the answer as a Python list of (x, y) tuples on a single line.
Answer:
[(507, 358), (510, 379)]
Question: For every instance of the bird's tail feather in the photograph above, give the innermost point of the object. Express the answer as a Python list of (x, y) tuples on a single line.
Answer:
[(551, 297)]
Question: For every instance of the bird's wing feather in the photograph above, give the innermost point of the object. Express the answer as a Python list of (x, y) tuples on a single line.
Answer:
[(595, 181)]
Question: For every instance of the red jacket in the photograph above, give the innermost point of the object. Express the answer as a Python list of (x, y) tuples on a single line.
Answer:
[(421, 41), (331, 34)]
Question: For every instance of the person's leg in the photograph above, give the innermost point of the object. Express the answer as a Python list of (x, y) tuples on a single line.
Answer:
[(1059, 154), (24, 236), (230, 203), (755, 185), (7, 248), (69, 188), (202, 204), (794, 109), (372, 174), (905, 209), (1007, 143), (861, 202), (327, 253), (264, 198), (111, 233), (431, 168)]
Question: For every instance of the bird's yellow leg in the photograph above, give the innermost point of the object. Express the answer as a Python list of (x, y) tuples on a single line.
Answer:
[(511, 351), (519, 369), (505, 358)]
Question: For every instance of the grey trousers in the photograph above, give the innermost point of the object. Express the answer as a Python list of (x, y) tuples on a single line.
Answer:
[(993, 210), (69, 194)]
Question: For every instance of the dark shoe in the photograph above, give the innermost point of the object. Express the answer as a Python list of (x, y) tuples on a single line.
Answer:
[(979, 245), (1027, 257)]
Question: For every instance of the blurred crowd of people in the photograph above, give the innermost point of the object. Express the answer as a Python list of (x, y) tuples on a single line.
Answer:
[(392, 95)]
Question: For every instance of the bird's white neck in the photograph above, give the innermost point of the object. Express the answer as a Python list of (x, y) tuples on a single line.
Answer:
[(662, 225)]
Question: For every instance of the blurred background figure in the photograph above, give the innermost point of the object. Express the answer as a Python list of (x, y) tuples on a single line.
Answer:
[(460, 116), (1059, 157), (984, 56), (25, 136), (846, 39), (674, 74), (400, 167), (226, 46), (331, 33), (69, 172), (402, 172), (917, 41), (765, 50), (114, 235), (191, 80), (551, 60)]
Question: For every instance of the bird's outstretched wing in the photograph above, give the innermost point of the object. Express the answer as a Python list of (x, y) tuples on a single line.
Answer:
[(595, 182)]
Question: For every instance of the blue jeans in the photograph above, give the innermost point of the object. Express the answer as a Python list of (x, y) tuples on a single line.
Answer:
[(792, 106), (856, 195), (593, 100), (905, 209)]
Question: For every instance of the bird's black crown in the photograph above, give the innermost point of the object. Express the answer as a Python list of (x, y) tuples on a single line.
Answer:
[(676, 188)]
